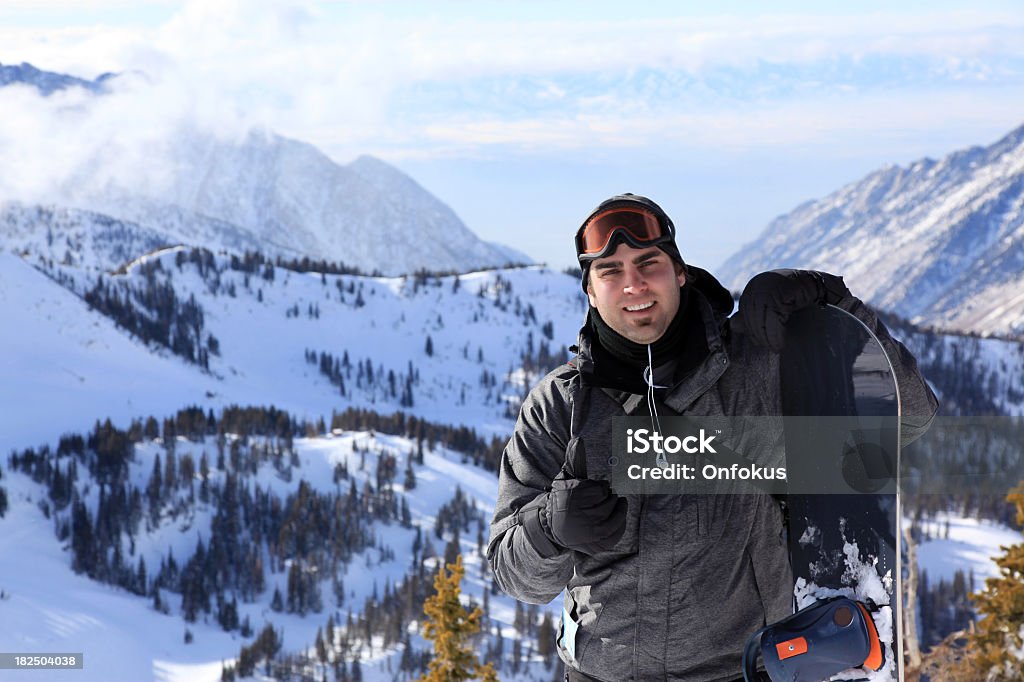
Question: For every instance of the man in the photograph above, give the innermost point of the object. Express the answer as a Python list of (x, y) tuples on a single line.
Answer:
[(657, 587)]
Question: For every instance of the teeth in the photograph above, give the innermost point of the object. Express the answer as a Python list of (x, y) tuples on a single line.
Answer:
[(642, 306)]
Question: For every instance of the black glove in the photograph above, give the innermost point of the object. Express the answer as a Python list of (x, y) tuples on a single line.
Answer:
[(771, 297), (581, 514)]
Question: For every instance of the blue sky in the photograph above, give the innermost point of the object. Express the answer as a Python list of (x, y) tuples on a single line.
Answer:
[(522, 116)]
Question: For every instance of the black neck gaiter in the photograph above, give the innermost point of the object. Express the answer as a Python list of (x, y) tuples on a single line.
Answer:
[(668, 347)]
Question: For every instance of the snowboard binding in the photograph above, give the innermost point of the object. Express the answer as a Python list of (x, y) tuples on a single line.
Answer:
[(815, 643)]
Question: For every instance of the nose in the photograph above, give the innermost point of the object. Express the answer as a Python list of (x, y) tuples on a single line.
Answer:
[(634, 282)]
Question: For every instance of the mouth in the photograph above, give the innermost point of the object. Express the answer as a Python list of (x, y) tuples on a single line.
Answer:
[(639, 308)]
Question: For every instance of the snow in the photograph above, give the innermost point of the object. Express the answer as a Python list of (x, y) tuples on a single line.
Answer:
[(289, 197), (123, 638), (68, 366), (65, 366), (102, 373), (810, 536), (50, 609), (861, 583), (970, 547)]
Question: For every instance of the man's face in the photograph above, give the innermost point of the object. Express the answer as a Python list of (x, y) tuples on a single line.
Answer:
[(636, 291)]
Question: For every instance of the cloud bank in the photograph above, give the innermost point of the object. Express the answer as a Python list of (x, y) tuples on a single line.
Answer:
[(354, 78)]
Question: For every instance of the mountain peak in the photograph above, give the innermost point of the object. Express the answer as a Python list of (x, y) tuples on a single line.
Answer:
[(291, 197), (48, 82), (285, 196), (937, 242), (383, 175)]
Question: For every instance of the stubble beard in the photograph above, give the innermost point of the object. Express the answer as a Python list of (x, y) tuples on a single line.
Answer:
[(639, 332)]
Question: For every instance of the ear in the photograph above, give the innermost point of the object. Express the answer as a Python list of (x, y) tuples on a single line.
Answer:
[(590, 295), (681, 277)]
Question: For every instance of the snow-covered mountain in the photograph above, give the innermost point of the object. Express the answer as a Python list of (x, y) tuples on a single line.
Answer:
[(971, 375), (938, 242), (94, 240), (291, 197), (71, 354), (230, 190), (48, 82)]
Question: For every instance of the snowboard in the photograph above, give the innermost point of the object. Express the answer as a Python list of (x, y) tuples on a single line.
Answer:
[(841, 423)]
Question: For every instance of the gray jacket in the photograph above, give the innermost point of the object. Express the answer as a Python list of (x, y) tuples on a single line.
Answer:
[(693, 575)]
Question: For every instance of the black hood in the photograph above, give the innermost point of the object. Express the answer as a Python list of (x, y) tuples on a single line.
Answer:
[(717, 295)]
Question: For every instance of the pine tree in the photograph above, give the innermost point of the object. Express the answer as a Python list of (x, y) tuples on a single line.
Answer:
[(546, 638), (519, 620), (83, 547), (321, 648), (1000, 630), (449, 626), (410, 475), (140, 577), (451, 550), (153, 492)]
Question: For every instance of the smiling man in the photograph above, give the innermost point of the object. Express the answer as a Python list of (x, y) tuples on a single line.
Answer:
[(657, 587), (636, 291)]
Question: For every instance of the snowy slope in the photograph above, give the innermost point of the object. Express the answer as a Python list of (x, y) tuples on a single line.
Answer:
[(969, 546), (65, 366), (47, 608), (82, 367), (103, 372), (970, 375), (75, 237), (938, 242), (124, 638)]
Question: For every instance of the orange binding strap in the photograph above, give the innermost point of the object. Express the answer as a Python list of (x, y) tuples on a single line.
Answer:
[(875, 658)]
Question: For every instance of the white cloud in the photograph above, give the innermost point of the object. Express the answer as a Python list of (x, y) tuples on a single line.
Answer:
[(893, 119), (352, 79), (231, 38)]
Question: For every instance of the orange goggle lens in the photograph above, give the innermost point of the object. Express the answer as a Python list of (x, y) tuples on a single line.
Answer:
[(640, 227)]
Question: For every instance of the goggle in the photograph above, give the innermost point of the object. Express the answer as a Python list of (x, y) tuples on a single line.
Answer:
[(638, 227)]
